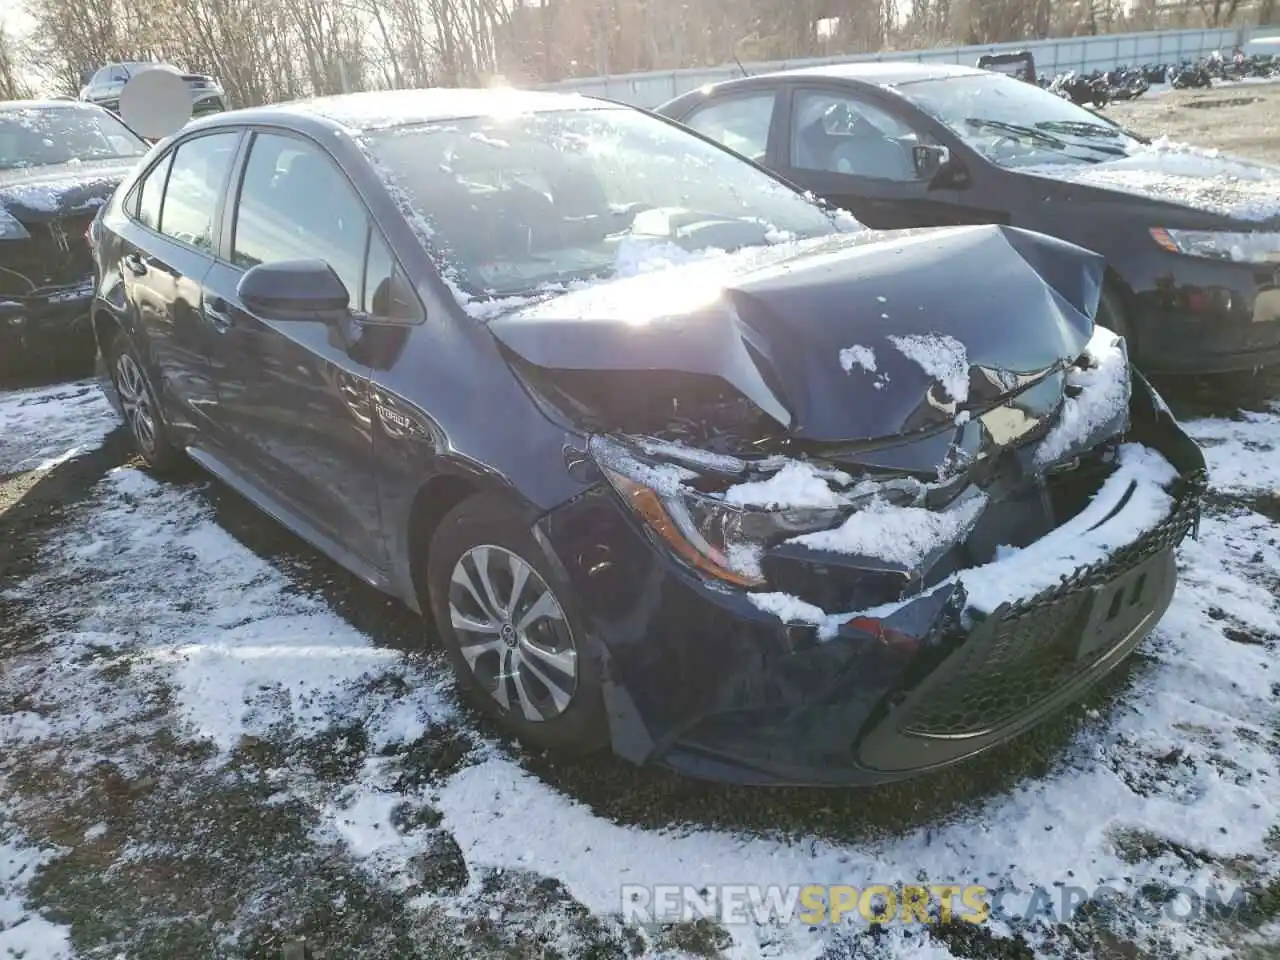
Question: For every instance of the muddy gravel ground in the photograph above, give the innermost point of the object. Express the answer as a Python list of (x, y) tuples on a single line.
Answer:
[(215, 743), (1242, 118)]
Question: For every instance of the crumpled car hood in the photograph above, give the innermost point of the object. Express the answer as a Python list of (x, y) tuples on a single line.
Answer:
[(1229, 187), (36, 194), (847, 338)]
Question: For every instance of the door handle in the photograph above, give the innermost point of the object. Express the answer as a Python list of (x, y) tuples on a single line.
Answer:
[(135, 264), (215, 311)]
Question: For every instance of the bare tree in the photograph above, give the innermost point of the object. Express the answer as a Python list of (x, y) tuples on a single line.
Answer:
[(12, 84), (271, 50)]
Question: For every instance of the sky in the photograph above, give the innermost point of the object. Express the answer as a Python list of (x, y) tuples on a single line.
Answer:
[(13, 16)]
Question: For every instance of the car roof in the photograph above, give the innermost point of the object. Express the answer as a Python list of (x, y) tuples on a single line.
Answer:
[(12, 106), (883, 73), (384, 109)]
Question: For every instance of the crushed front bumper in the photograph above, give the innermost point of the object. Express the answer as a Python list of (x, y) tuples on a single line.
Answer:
[(701, 680), (1030, 658)]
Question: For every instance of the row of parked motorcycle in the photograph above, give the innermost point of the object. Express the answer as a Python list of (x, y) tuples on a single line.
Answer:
[(1128, 83)]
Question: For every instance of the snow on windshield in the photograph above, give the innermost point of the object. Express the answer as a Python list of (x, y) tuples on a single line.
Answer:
[(1013, 123), (44, 136), (513, 205)]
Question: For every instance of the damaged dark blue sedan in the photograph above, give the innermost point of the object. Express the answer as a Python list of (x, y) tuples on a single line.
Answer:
[(678, 460)]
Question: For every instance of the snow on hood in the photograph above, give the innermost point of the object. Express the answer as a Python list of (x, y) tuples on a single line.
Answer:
[(1204, 180), (796, 327), (59, 189), (1134, 500)]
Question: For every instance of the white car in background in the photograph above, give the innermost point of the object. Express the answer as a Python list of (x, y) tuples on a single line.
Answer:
[(103, 88)]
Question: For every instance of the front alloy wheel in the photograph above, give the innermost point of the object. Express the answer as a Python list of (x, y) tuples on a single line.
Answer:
[(512, 633), (135, 398), (142, 414)]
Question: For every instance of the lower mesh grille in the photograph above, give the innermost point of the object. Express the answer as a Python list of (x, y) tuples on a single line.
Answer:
[(1032, 651)]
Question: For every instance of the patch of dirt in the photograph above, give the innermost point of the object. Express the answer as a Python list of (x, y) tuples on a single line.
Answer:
[(1211, 103), (1217, 120)]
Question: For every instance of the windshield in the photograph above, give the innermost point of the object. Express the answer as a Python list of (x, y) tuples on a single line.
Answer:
[(518, 202), (1017, 124), (39, 136)]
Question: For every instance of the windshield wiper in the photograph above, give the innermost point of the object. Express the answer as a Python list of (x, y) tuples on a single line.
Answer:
[(1017, 130), (1036, 133), (1080, 128)]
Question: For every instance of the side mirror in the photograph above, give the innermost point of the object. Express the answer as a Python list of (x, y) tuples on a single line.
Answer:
[(930, 160), (295, 290)]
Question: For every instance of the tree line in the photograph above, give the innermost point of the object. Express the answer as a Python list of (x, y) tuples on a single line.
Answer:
[(271, 50)]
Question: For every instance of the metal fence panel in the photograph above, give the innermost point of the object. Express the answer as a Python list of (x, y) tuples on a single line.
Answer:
[(1084, 54)]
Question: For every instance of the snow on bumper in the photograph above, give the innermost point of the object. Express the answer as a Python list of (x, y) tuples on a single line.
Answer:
[(1136, 500)]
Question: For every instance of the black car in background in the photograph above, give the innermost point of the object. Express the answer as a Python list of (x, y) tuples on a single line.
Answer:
[(674, 461), (59, 162), (1191, 238), (1021, 65)]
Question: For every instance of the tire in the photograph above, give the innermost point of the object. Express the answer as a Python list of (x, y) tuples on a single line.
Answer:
[(513, 678), (142, 412)]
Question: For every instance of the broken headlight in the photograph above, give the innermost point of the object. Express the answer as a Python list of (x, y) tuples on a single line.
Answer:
[(717, 536), (1254, 247)]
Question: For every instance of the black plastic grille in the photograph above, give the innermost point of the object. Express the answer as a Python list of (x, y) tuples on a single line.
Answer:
[(1032, 651), (57, 255)]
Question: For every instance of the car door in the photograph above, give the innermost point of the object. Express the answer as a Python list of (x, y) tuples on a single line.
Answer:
[(294, 393), (857, 153), (166, 251)]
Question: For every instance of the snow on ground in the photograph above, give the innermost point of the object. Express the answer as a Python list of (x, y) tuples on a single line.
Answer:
[(1234, 449), (1182, 769), (24, 933), (43, 427)]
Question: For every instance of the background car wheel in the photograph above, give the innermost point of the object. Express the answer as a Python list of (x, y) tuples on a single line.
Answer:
[(141, 411), (518, 646)]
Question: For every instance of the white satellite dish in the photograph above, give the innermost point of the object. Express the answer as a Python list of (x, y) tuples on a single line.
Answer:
[(155, 103)]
